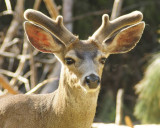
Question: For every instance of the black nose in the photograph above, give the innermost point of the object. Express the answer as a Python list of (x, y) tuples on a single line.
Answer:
[(92, 81)]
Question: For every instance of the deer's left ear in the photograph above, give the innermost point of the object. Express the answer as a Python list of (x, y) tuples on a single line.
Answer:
[(125, 40)]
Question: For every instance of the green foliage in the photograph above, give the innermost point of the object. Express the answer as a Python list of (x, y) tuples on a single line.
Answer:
[(147, 108)]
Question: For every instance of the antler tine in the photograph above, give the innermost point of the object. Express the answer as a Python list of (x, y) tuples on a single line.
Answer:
[(107, 27), (55, 27)]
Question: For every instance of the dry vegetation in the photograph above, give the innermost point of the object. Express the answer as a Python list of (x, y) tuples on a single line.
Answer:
[(23, 67)]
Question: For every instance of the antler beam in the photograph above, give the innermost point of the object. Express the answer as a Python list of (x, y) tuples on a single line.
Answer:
[(107, 27), (55, 27)]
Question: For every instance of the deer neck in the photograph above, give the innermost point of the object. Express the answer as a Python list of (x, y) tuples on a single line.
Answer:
[(73, 103)]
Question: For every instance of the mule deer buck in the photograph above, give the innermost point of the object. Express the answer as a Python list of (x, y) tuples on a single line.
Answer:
[(73, 104)]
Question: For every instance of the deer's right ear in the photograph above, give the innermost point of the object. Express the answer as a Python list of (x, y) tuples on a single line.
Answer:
[(41, 39)]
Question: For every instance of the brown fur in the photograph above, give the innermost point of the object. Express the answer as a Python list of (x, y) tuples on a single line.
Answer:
[(73, 104), (69, 106)]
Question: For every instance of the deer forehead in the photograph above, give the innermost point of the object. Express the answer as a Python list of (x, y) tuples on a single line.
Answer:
[(83, 49)]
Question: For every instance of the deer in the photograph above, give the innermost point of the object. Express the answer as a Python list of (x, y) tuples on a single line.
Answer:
[(73, 104)]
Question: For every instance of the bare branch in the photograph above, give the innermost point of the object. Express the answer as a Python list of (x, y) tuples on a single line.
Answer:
[(18, 18), (38, 86), (52, 8), (119, 107), (8, 5), (20, 78), (67, 13), (95, 13), (116, 9), (32, 68), (37, 4), (13, 42), (8, 12), (13, 55), (5, 84), (21, 63)]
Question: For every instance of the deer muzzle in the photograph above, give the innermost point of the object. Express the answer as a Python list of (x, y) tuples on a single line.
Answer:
[(93, 81)]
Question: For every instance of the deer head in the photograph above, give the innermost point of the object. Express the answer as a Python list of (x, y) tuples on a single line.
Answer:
[(83, 60)]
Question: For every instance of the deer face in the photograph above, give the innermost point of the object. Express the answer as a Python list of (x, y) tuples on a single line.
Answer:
[(84, 60)]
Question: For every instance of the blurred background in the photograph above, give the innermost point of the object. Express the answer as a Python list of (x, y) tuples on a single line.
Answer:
[(26, 70)]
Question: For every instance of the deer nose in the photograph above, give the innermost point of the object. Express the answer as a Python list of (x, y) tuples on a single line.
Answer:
[(92, 81)]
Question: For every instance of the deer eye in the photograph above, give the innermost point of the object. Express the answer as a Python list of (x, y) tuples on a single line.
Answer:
[(69, 61), (102, 60)]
